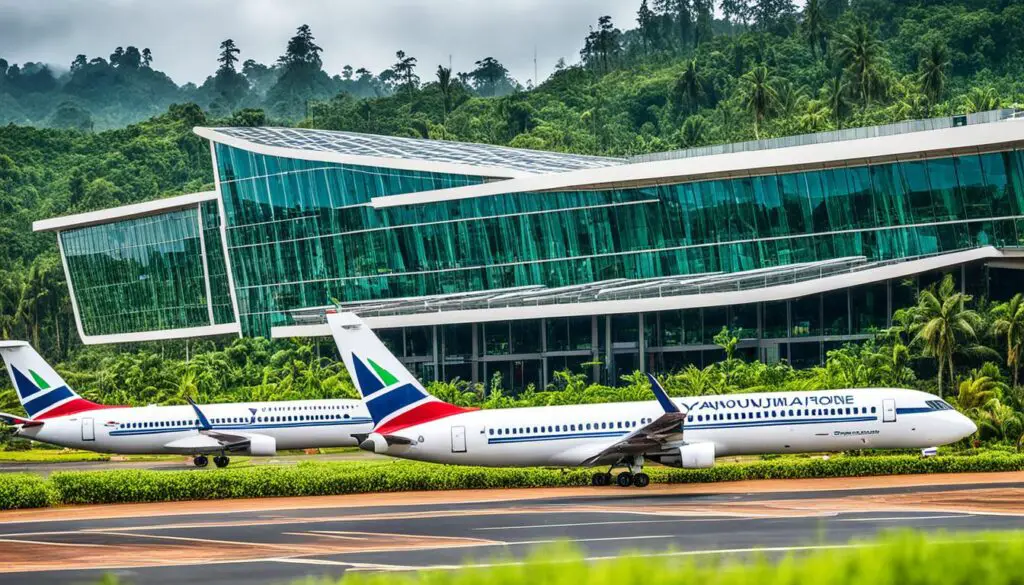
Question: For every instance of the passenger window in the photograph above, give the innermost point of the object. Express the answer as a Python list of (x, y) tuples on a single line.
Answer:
[(490, 431), (873, 410)]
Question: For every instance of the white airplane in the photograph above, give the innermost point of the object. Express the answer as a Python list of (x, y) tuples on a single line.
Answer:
[(690, 433), (57, 415)]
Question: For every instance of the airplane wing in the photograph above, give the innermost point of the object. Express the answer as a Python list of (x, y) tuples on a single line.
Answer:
[(17, 420), (664, 432)]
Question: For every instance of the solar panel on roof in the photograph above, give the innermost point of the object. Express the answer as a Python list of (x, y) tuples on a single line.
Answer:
[(482, 155)]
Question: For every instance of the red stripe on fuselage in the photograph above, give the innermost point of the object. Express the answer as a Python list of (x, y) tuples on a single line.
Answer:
[(424, 413), (73, 406)]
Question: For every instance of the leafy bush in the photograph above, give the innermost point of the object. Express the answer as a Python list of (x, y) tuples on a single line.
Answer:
[(907, 558), (25, 490), (318, 479)]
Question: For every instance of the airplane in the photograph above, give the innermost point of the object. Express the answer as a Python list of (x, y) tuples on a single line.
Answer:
[(692, 432), (57, 415)]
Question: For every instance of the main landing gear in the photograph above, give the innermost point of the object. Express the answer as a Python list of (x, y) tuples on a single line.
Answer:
[(203, 461), (634, 475)]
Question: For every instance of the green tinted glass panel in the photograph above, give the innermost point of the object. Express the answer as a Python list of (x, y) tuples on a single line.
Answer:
[(142, 274), (220, 292)]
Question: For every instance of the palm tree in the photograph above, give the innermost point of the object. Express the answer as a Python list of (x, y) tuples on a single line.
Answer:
[(981, 100), (976, 392), (835, 94), (815, 28), (446, 85), (932, 76), (690, 86), (759, 95), (942, 321), (862, 54), (791, 99), (1009, 321), (694, 132)]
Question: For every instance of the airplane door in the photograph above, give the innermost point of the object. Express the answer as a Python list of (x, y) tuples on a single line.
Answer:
[(889, 410), (458, 439), (88, 431)]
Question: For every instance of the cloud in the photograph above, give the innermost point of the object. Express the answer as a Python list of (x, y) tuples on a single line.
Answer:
[(184, 34)]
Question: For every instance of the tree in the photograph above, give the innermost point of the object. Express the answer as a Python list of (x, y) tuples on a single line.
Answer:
[(602, 44), (488, 75), (736, 11), (980, 99), (1009, 322), (758, 94), (405, 71), (147, 58), (932, 71), (862, 54), (446, 85), (648, 23), (689, 88), (302, 49), (694, 132), (228, 55), (770, 13), (815, 28), (942, 323), (78, 64), (835, 95)]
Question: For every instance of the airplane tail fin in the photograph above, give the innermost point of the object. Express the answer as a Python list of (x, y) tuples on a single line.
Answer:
[(394, 397), (43, 393)]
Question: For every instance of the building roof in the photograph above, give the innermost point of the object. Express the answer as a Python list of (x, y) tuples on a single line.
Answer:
[(123, 212), (946, 142), (405, 153)]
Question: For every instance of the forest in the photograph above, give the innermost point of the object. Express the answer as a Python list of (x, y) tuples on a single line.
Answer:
[(114, 130)]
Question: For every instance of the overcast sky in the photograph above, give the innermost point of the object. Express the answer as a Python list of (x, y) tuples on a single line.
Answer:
[(184, 34)]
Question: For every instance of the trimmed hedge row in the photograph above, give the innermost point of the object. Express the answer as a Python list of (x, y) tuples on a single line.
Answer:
[(317, 479), (905, 558)]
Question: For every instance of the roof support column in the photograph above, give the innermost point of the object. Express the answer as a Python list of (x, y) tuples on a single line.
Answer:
[(640, 344)]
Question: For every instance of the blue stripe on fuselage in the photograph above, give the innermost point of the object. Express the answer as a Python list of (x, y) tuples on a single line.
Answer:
[(240, 427)]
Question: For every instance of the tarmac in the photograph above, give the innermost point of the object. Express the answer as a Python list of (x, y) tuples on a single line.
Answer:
[(284, 539)]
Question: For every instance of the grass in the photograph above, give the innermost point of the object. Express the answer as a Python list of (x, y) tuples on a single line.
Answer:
[(905, 558)]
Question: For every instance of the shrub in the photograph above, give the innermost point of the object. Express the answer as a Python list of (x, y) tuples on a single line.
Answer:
[(25, 490), (318, 479)]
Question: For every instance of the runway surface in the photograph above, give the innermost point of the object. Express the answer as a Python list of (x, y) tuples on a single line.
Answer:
[(280, 540)]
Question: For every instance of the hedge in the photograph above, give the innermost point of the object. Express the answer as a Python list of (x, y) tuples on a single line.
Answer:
[(905, 558), (317, 479)]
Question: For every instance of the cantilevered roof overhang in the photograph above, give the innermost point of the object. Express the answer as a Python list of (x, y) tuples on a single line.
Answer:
[(615, 297), (974, 139), (411, 154), (123, 212)]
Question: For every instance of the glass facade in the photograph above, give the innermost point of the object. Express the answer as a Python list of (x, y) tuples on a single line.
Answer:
[(302, 233), (148, 274)]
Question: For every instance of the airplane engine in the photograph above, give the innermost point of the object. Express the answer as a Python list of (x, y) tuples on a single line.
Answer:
[(692, 456), (262, 446), (375, 443)]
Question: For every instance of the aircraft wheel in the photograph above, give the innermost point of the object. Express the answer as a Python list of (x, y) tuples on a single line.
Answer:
[(625, 479), (641, 480), (200, 461), (221, 460), (601, 479)]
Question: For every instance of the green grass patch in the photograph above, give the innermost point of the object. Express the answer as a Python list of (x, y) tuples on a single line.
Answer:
[(50, 456), (904, 558), (318, 479)]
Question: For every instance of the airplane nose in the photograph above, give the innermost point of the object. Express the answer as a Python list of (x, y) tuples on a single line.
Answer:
[(966, 426)]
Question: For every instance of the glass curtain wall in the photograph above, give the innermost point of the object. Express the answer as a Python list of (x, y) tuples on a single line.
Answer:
[(302, 233), (142, 274)]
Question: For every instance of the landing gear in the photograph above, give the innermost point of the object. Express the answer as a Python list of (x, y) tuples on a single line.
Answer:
[(633, 476), (200, 461), (624, 479), (641, 480), (221, 460)]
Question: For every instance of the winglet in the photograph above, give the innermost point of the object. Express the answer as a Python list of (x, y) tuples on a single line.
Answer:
[(661, 395), (204, 423)]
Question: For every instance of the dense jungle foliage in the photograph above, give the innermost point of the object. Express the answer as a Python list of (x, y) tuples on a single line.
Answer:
[(685, 73)]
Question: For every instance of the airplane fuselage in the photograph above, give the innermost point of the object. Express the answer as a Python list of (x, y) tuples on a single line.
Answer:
[(738, 424), (301, 424)]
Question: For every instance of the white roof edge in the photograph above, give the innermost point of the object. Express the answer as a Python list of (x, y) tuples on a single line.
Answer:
[(163, 334), (124, 212), (719, 299), (5, 343), (402, 164), (752, 162)]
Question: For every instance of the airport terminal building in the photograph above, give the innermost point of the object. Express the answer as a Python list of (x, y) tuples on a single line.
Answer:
[(470, 259)]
